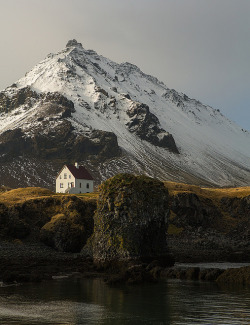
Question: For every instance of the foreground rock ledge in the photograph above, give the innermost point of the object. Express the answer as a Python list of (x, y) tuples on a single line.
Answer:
[(130, 221)]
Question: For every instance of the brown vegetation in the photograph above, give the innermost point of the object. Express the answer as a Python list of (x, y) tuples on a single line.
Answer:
[(27, 212)]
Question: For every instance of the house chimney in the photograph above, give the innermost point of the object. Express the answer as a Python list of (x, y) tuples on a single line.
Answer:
[(76, 165)]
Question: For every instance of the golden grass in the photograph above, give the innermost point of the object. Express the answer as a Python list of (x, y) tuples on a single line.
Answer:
[(215, 194), (226, 221), (211, 193), (173, 230), (93, 195), (20, 195)]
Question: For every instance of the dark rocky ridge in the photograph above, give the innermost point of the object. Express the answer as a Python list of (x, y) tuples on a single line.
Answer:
[(24, 96), (28, 97), (52, 137), (59, 143), (147, 126)]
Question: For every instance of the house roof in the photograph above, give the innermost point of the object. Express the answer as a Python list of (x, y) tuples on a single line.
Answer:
[(80, 172)]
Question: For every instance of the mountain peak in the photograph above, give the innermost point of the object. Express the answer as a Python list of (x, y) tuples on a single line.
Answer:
[(78, 105), (72, 43)]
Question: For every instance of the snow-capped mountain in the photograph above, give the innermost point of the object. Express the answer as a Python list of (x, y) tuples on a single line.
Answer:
[(77, 105)]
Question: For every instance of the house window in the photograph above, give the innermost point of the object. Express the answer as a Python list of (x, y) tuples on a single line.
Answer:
[(87, 185), (60, 176), (61, 185), (65, 176), (80, 185), (69, 175), (72, 184)]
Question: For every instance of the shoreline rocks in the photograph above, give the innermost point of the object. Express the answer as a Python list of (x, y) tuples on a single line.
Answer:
[(29, 262)]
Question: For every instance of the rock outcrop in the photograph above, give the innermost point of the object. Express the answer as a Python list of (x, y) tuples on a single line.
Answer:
[(147, 126), (61, 142), (26, 97), (235, 276), (206, 225), (130, 221), (192, 211), (69, 231), (62, 222), (72, 43)]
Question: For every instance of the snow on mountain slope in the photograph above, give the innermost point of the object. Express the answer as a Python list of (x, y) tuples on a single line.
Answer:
[(162, 133)]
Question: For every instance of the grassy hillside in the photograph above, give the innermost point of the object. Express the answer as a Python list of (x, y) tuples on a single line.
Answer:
[(207, 218), (230, 205), (209, 223), (20, 195), (30, 214), (206, 192)]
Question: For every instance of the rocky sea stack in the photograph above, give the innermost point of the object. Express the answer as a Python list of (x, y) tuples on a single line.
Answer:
[(130, 221)]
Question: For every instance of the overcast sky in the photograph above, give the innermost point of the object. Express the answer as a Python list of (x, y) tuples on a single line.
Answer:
[(199, 47)]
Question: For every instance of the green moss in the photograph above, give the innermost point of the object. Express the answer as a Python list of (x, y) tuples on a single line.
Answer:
[(173, 230), (130, 216), (116, 241)]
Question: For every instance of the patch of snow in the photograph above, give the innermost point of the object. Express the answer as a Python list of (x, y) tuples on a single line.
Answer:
[(211, 146)]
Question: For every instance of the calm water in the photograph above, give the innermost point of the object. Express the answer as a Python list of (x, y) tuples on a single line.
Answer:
[(89, 301)]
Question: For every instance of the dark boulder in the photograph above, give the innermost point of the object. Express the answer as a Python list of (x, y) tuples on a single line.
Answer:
[(130, 221), (69, 231)]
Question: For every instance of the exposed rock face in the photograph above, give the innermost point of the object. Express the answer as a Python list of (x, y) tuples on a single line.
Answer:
[(130, 220), (23, 96), (69, 231), (26, 97), (237, 206), (235, 276), (203, 229), (191, 211), (11, 224), (146, 125), (175, 97), (60, 142), (72, 43), (62, 222)]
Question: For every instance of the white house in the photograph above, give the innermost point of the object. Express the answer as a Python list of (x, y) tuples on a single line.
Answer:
[(74, 179)]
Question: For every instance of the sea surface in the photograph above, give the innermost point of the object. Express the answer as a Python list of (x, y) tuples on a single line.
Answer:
[(76, 301)]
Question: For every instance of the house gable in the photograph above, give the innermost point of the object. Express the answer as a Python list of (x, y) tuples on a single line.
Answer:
[(79, 172), (63, 171), (74, 179)]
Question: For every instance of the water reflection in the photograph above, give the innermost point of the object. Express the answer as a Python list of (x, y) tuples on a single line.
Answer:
[(81, 301)]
